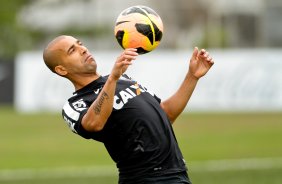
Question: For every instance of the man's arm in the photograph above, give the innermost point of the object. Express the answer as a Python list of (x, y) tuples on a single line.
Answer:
[(200, 63), (100, 110)]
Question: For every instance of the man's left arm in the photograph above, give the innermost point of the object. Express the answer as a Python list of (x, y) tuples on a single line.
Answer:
[(200, 63)]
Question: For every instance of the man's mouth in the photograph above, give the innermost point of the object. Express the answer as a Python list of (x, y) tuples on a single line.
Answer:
[(88, 58)]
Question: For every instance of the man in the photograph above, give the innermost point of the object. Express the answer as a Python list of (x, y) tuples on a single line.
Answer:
[(133, 123)]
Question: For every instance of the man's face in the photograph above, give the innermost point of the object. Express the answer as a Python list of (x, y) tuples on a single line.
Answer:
[(74, 57)]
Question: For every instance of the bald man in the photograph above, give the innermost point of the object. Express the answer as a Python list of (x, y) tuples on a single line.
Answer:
[(133, 123)]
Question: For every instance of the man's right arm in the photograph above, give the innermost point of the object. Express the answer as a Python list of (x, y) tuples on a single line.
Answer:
[(100, 110)]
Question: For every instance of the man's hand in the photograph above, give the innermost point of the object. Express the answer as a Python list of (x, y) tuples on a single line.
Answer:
[(100, 110), (200, 63), (122, 63)]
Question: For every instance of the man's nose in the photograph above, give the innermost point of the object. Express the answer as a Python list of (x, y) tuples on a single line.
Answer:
[(83, 50)]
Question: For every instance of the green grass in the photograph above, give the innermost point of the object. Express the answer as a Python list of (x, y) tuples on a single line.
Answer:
[(43, 140), (89, 180), (221, 136), (268, 176), (227, 177)]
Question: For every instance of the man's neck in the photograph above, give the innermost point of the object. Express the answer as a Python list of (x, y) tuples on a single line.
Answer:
[(83, 81)]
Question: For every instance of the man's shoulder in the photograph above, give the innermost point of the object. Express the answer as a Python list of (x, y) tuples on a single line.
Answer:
[(81, 101)]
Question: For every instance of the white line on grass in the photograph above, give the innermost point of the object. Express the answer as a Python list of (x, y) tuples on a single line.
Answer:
[(236, 164), (53, 173), (96, 171)]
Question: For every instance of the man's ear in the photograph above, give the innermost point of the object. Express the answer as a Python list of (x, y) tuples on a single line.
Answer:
[(59, 69)]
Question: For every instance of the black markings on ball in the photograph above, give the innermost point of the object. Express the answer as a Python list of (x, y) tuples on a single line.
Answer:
[(140, 10), (121, 22), (140, 50), (145, 30), (119, 37)]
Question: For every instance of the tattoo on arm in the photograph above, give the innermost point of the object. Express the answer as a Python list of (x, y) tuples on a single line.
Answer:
[(97, 107)]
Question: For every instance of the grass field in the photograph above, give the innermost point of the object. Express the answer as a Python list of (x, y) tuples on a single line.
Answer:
[(220, 148)]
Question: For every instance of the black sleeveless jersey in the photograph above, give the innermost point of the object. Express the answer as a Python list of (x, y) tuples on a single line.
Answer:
[(138, 134)]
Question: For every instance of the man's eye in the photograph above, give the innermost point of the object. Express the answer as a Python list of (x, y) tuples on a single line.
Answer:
[(72, 50), (80, 43)]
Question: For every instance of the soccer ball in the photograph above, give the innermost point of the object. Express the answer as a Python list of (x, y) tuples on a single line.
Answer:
[(139, 27)]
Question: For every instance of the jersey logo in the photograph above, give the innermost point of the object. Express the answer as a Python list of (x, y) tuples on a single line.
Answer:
[(97, 91), (70, 124), (122, 97), (125, 77), (79, 105)]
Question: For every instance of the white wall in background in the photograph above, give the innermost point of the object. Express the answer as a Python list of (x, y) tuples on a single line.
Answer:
[(240, 80)]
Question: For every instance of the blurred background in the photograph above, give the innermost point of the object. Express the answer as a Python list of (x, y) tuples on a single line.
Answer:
[(231, 127), (244, 37)]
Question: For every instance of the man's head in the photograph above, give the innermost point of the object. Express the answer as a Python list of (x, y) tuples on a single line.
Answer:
[(68, 57)]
